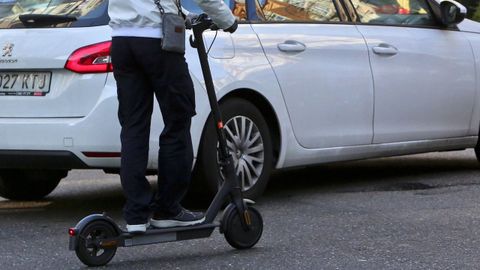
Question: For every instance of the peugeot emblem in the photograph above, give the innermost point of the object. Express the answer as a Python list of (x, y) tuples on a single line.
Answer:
[(7, 49)]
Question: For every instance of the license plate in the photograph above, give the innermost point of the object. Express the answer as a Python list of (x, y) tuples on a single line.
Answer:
[(24, 83)]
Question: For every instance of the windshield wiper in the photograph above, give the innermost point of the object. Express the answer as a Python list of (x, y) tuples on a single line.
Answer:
[(38, 20)]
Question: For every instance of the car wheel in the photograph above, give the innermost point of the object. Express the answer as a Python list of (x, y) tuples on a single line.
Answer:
[(29, 184), (477, 152), (249, 142)]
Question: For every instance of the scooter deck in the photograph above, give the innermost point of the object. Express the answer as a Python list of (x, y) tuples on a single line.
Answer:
[(153, 236)]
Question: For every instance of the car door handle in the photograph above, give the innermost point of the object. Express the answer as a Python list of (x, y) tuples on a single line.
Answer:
[(291, 46), (385, 49)]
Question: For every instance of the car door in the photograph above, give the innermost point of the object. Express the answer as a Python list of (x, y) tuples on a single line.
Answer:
[(424, 75), (323, 70)]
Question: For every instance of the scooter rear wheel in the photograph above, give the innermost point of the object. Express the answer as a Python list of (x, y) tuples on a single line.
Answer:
[(88, 249), (236, 235)]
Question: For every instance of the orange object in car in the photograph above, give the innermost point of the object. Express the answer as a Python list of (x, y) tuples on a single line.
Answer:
[(404, 11)]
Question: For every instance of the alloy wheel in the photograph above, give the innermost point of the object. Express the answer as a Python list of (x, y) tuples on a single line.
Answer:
[(245, 144)]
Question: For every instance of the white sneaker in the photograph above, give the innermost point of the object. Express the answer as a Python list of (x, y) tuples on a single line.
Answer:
[(137, 228)]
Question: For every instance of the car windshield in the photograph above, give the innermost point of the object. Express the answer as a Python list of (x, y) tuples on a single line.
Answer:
[(87, 12)]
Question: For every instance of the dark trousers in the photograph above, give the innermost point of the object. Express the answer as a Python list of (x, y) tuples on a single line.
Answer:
[(142, 70)]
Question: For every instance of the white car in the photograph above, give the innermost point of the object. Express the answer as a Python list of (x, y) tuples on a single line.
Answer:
[(301, 82)]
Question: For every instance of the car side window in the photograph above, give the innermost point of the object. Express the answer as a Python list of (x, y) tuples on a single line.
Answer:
[(295, 11), (394, 12), (238, 9)]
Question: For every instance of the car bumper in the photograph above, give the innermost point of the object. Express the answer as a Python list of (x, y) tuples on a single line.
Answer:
[(63, 142), (28, 159)]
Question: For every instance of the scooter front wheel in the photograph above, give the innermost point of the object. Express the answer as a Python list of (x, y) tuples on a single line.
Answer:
[(236, 235), (88, 249)]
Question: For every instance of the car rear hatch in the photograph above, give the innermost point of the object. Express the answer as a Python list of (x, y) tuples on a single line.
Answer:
[(37, 38)]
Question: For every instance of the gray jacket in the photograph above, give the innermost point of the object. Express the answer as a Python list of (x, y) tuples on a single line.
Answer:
[(144, 13)]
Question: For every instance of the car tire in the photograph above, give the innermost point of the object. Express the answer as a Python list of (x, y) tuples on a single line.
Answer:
[(477, 152), (207, 173), (29, 184)]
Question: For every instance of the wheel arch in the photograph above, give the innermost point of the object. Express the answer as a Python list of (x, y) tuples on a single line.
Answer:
[(267, 111)]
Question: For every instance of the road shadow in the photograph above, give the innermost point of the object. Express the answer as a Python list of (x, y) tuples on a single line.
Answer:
[(198, 257), (78, 197), (386, 174)]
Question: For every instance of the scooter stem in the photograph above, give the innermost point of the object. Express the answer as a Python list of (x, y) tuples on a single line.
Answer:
[(232, 181)]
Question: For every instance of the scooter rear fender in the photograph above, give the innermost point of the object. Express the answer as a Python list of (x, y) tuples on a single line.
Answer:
[(87, 220)]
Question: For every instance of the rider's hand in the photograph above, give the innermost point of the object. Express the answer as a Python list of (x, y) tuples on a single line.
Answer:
[(232, 28)]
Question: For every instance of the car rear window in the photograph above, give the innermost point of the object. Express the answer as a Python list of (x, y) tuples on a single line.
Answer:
[(87, 12)]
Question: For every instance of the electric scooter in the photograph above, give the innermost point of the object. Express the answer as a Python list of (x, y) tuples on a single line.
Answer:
[(95, 238)]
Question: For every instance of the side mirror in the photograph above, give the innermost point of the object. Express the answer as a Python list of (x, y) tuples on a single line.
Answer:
[(452, 13)]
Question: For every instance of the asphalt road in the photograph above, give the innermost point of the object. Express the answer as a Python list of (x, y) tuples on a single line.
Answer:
[(413, 212)]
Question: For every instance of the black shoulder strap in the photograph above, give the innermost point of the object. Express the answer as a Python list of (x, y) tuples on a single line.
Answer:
[(177, 3)]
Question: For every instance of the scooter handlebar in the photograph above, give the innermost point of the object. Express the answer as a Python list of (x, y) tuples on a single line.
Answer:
[(201, 22)]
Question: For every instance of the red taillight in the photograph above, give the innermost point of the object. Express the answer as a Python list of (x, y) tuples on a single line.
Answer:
[(71, 232), (91, 59)]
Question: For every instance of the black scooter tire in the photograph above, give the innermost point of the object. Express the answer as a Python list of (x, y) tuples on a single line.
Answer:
[(234, 232), (90, 256)]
